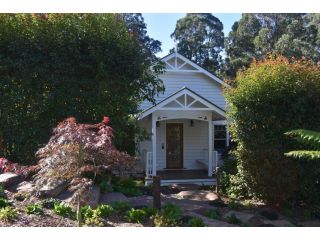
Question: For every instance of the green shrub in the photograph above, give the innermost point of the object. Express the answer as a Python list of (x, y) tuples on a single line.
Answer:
[(86, 212), (150, 211), (4, 202), (104, 211), (195, 222), (94, 221), (235, 205), (63, 210), (136, 215), (128, 187), (170, 216), (270, 98), (213, 214), (50, 202), (121, 206), (34, 209), (8, 214), (105, 186), (232, 219)]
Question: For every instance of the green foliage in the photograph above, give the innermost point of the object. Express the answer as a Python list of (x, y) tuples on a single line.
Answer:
[(213, 214), (105, 186), (50, 202), (128, 187), (104, 211), (256, 35), (81, 65), (63, 210), (195, 222), (200, 38), (235, 205), (269, 214), (170, 216), (34, 209), (94, 221), (1, 191), (136, 215), (150, 211), (4, 202), (8, 214), (307, 138), (232, 219), (86, 212), (121, 206), (270, 98)]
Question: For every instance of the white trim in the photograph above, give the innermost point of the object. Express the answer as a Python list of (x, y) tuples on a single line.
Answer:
[(199, 69), (210, 147), (199, 181), (184, 91), (154, 145)]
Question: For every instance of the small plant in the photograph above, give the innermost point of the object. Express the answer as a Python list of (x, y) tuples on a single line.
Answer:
[(94, 221), (121, 206), (4, 202), (49, 203), (195, 222), (105, 187), (169, 217), (213, 214), (150, 211), (8, 214), (34, 209), (86, 212), (136, 215), (249, 204), (235, 205), (104, 211), (63, 210), (232, 219), (128, 187)]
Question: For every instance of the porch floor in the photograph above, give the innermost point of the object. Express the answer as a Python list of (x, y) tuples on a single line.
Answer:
[(183, 174)]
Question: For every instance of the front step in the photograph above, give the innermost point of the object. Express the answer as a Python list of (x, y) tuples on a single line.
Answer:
[(167, 182)]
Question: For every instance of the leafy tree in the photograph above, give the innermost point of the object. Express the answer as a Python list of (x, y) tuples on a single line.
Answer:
[(309, 138), (270, 98), (53, 66), (255, 36), (200, 38)]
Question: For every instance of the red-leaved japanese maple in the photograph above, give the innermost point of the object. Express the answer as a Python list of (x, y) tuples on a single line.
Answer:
[(77, 148)]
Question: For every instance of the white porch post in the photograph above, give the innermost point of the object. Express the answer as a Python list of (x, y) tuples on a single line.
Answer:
[(154, 145), (210, 148)]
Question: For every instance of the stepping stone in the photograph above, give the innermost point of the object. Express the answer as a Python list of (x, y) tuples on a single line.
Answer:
[(210, 222), (108, 198), (198, 195), (141, 201), (9, 179), (244, 217), (279, 223)]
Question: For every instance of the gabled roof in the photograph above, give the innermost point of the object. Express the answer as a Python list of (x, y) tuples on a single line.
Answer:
[(183, 99), (194, 65)]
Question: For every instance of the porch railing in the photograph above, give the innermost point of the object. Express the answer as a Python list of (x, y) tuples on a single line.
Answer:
[(149, 165), (213, 164)]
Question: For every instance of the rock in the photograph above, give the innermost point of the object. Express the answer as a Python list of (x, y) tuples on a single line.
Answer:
[(9, 179), (279, 223), (25, 187), (310, 223), (108, 198), (198, 195), (52, 188), (244, 217), (141, 201), (210, 222)]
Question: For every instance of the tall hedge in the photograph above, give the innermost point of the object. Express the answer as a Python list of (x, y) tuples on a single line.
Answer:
[(53, 66), (270, 98)]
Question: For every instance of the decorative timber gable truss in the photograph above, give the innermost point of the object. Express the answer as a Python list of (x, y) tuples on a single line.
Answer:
[(175, 62), (184, 100)]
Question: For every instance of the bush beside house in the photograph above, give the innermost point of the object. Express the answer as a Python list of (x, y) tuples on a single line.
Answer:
[(270, 98)]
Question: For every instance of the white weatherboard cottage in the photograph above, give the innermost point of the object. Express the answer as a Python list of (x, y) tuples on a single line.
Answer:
[(187, 125)]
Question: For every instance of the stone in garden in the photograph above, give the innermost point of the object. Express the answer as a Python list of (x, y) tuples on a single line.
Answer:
[(108, 198), (280, 223), (310, 223), (9, 179), (244, 217), (143, 200), (210, 222), (198, 195), (25, 187), (52, 188)]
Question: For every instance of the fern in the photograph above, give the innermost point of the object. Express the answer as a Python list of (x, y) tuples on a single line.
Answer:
[(309, 138)]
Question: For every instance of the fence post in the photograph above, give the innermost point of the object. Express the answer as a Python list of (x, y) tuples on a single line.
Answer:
[(156, 192), (217, 180)]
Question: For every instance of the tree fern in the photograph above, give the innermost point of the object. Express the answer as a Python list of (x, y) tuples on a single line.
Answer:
[(309, 138)]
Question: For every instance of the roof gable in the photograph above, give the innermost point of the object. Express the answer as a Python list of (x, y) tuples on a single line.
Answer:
[(175, 62)]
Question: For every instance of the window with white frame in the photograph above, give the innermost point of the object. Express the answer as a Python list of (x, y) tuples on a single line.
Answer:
[(220, 138)]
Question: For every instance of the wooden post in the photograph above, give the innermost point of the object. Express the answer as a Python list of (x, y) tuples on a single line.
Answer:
[(217, 180), (156, 192)]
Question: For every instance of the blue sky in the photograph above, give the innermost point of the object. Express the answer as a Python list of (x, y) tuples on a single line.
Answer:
[(161, 25)]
